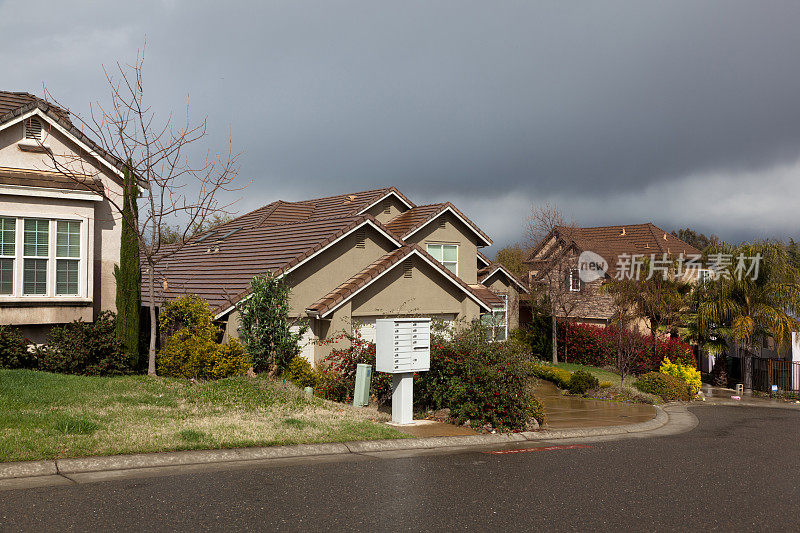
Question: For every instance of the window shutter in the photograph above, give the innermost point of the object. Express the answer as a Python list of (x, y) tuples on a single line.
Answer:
[(33, 129)]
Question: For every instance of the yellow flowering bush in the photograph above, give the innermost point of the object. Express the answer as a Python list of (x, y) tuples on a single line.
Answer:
[(687, 373)]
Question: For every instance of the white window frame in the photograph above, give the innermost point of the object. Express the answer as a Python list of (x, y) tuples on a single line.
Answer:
[(12, 257), (574, 280), (441, 247), (497, 310), (84, 270)]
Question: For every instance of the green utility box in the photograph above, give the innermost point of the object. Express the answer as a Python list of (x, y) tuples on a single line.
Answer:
[(363, 382)]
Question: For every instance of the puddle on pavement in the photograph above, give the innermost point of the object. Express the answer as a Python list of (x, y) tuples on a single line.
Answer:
[(565, 411)]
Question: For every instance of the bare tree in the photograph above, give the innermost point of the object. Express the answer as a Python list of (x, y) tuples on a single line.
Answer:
[(555, 274), (624, 293), (174, 185)]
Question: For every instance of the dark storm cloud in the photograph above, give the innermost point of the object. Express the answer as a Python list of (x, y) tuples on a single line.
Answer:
[(596, 105)]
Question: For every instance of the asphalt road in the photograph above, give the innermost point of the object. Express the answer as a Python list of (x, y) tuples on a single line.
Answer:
[(738, 470)]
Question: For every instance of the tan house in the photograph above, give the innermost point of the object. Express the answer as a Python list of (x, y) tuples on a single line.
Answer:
[(349, 260), (59, 240), (556, 260)]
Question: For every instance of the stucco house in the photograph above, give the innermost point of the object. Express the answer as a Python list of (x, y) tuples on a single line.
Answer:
[(349, 260), (556, 260), (59, 239)]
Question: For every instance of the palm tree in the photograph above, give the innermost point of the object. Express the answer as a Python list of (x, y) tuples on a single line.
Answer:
[(753, 305)]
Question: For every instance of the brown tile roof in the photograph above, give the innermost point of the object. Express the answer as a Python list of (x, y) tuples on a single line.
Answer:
[(15, 104), (281, 212), (405, 223), (410, 221), (53, 180), (220, 270), (612, 241), (384, 263), (487, 295), (487, 271), (10, 101)]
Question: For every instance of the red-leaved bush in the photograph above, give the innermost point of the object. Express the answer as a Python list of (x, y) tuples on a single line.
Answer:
[(586, 344)]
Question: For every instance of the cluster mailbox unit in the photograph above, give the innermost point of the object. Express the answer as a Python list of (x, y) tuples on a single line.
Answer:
[(402, 347)]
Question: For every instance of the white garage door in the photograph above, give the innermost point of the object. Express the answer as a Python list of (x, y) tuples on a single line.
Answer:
[(306, 344)]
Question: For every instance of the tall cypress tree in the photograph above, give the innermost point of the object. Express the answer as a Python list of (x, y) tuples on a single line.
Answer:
[(129, 272)]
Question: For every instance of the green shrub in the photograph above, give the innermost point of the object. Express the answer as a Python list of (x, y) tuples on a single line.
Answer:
[(669, 388), (265, 328), (689, 374), (14, 350), (582, 381), (196, 357), (231, 360), (337, 375), (536, 411), (301, 373), (477, 380), (85, 348), (191, 313), (191, 350), (559, 376)]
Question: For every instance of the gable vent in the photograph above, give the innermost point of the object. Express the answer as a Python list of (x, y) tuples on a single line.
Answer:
[(387, 208), (361, 237), (407, 269), (442, 224), (33, 129)]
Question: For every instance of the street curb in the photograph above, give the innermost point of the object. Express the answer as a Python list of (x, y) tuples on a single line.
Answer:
[(195, 457)]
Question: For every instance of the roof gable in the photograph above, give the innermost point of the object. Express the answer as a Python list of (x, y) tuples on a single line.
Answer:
[(613, 241), (485, 274), (360, 281), (59, 120), (407, 224)]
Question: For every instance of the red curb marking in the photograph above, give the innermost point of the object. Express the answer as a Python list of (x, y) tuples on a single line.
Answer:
[(542, 449)]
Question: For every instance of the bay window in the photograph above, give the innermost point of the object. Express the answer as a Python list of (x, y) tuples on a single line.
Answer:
[(41, 257)]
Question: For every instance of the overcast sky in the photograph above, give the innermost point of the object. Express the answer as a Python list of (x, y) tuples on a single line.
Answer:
[(679, 113)]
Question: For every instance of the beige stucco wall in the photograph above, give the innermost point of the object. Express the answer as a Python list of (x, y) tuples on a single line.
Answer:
[(395, 208), (427, 292), (499, 284), (333, 267), (454, 232), (105, 224)]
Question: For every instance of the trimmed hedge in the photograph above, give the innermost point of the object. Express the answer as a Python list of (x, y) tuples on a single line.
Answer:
[(596, 346), (669, 388)]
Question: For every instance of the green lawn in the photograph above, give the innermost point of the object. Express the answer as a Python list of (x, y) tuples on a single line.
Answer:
[(599, 373), (50, 416)]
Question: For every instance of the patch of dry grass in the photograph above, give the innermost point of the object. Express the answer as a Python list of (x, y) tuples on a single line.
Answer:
[(46, 415)]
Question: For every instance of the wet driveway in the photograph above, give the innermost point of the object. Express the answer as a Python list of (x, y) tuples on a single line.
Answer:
[(565, 411)]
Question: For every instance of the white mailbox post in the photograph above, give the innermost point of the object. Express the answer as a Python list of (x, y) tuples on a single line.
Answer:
[(402, 347)]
